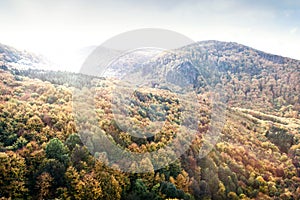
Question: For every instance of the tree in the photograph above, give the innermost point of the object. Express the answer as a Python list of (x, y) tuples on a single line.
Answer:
[(72, 140), (183, 181), (20, 143), (12, 175), (55, 149), (43, 185), (232, 196), (110, 186), (80, 157), (82, 185), (56, 169), (35, 123), (147, 170), (170, 190), (72, 179)]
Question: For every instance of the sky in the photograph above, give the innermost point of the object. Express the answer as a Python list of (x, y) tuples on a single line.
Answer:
[(60, 30)]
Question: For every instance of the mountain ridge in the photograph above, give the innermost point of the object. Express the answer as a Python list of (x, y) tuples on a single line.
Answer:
[(10, 50)]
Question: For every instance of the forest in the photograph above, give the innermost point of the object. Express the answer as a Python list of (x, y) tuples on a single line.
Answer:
[(45, 155)]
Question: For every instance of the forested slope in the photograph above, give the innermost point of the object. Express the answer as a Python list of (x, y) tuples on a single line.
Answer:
[(257, 155)]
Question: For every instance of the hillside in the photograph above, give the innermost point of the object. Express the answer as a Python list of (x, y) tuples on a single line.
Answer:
[(12, 57), (47, 154), (247, 77)]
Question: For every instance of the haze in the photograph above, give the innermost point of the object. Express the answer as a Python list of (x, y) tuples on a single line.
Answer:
[(62, 30)]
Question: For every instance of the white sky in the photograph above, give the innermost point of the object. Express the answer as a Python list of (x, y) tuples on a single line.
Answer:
[(59, 29)]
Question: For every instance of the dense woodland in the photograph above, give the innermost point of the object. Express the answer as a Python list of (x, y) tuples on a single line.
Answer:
[(257, 155)]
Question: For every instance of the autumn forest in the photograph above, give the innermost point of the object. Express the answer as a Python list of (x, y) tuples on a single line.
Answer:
[(46, 154)]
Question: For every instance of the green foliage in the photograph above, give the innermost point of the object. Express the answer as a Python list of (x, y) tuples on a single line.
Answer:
[(72, 141), (170, 191), (56, 169), (140, 188), (55, 149), (80, 157), (20, 143)]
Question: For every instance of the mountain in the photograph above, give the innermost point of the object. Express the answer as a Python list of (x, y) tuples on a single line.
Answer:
[(248, 77), (12, 57), (229, 115)]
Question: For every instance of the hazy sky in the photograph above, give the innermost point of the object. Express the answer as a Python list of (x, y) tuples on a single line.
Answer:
[(57, 29)]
